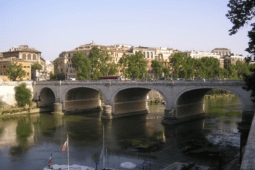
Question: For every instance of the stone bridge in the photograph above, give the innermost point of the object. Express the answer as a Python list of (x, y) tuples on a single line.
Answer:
[(184, 99)]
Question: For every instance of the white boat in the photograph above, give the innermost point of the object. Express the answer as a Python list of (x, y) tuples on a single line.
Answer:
[(65, 167)]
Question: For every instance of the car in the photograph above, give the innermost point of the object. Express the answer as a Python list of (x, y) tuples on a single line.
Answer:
[(189, 79), (201, 79), (71, 79), (178, 78)]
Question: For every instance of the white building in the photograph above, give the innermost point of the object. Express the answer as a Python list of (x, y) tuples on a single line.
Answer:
[(201, 54)]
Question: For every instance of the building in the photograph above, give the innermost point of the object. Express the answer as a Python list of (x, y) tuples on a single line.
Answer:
[(233, 60), (221, 51), (115, 51), (202, 54), (25, 53), (26, 66)]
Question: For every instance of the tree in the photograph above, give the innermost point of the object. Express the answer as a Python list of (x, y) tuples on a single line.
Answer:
[(15, 71), (57, 63), (36, 66), (22, 95), (81, 63), (241, 13), (137, 66), (157, 68), (98, 62), (123, 65)]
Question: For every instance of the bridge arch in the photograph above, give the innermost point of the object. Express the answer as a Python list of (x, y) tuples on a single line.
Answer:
[(81, 98), (46, 97), (209, 88), (131, 99), (189, 102)]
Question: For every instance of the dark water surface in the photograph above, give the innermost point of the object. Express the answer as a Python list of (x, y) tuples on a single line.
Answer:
[(27, 142)]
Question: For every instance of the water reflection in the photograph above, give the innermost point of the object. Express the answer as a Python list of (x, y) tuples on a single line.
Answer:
[(32, 138)]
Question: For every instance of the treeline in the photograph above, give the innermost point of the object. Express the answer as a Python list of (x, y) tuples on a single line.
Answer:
[(207, 67), (100, 63)]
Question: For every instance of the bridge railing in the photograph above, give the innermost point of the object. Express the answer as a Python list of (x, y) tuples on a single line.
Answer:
[(141, 82)]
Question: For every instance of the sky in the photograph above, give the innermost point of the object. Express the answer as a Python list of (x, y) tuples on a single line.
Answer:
[(54, 26)]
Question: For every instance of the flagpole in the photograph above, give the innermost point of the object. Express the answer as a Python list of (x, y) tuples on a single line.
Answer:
[(103, 147), (68, 151)]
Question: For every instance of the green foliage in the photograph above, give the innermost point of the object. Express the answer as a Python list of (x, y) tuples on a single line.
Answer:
[(250, 83), (53, 76), (22, 95), (137, 66), (57, 62), (36, 66), (157, 68), (95, 65), (61, 76), (81, 63), (123, 64), (206, 67), (15, 71), (241, 13)]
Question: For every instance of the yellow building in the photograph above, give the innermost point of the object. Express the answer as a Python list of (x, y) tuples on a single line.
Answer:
[(26, 66), (66, 67)]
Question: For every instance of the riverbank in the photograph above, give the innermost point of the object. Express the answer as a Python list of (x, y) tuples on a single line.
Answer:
[(10, 112), (213, 96)]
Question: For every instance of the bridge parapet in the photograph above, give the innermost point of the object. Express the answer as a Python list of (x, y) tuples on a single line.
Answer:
[(161, 82)]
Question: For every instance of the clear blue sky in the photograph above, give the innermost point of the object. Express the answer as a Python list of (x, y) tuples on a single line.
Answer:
[(53, 26)]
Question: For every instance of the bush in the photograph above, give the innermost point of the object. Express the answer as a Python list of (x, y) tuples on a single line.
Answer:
[(22, 95), (53, 76)]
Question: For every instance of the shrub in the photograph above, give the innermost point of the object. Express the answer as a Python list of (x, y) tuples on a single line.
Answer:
[(22, 95)]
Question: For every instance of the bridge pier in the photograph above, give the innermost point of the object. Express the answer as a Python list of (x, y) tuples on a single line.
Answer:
[(184, 113), (107, 112), (57, 109)]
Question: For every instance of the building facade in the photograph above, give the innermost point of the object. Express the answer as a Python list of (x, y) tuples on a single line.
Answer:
[(221, 51), (26, 66)]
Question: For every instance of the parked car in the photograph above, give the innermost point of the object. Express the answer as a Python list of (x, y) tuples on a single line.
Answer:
[(178, 78), (201, 79), (71, 79)]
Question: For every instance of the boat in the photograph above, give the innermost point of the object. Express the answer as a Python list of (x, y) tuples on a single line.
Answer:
[(66, 167)]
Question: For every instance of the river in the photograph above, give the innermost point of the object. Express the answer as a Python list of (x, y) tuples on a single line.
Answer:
[(27, 142)]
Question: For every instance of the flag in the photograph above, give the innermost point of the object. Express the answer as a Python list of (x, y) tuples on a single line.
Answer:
[(50, 159), (64, 146)]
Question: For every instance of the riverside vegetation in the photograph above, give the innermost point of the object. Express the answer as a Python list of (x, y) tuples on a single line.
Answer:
[(24, 102)]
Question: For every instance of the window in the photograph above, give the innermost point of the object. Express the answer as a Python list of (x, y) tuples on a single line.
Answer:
[(151, 55), (29, 56), (148, 55), (143, 54), (27, 73), (25, 66), (4, 66), (28, 66), (4, 73), (24, 56), (34, 57), (70, 71), (69, 60), (1, 73)]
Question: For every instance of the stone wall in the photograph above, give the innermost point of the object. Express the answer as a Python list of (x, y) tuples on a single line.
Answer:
[(7, 91)]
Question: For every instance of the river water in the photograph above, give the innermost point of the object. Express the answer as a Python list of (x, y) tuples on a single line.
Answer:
[(27, 142)]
